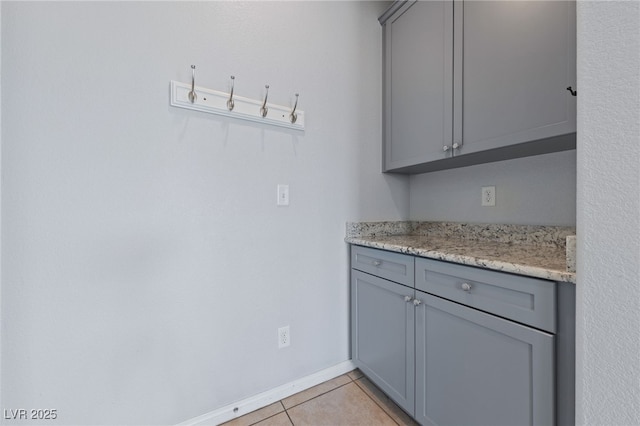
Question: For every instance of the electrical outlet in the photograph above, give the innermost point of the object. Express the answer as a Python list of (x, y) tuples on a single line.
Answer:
[(284, 337), (489, 196)]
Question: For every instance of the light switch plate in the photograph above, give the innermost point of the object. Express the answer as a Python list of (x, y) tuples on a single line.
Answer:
[(283, 195)]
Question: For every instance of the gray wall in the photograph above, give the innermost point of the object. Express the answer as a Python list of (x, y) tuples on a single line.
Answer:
[(145, 265), (608, 242), (538, 190)]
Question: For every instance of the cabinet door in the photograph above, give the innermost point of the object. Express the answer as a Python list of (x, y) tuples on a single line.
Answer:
[(518, 58), (382, 333), (418, 84), (473, 368)]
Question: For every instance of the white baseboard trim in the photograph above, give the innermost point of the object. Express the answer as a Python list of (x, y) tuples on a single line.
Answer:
[(263, 399)]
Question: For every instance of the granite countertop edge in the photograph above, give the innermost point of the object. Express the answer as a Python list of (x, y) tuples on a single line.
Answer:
[(510, 257)]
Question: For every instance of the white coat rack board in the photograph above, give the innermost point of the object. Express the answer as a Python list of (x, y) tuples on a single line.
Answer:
[(190, 96)]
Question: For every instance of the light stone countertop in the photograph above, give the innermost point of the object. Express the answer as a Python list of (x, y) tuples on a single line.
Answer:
[(515, 254)]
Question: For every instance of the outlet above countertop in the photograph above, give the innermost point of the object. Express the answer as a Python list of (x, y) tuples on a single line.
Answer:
[(529, 250)]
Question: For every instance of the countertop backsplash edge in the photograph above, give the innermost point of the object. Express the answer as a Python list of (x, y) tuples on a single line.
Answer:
[(543, 235)]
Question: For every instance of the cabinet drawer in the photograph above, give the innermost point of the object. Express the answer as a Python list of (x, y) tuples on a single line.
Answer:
[(526, 300), (392, 266)]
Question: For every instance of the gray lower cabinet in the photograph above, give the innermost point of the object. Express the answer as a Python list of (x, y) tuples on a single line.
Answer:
[(474, 368), (458, 345), (383, 335)]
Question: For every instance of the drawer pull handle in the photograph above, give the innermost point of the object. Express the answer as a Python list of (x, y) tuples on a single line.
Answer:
[(377, 262), (417, 302), (466, 287), (408, 299)]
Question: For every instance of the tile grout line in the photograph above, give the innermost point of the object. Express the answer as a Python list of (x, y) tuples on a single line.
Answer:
[(290, 419), (354, 381), (375, 402), (351, 380), (286, 410), (320, 394), (268, 417)]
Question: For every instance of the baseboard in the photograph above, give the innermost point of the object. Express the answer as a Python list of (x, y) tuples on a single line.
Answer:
[(263, 399)]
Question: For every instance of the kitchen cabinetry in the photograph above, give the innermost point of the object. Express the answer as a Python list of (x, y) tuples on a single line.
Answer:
[(502, 370), (418, 90), (383, 335), (455, 344), (467, 82), (383, 321)]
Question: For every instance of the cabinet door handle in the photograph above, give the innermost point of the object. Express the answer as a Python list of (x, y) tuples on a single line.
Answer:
[(466, 287), (445, 148), (377, 262), (417, 302), (408, 299), (456, 145)]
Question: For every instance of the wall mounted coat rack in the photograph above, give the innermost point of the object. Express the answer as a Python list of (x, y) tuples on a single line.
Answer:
[(190, 96)]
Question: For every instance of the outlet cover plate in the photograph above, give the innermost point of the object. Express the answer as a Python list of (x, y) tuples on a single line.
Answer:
[(488, 196), (284, 337)]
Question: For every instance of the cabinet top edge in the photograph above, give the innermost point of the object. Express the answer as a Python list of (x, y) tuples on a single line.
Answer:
[(397, 4)]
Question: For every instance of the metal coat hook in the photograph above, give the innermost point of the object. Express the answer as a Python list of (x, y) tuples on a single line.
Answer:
[(293, 116), (573, 92), (264, 110), (192, 93), (230, 103)]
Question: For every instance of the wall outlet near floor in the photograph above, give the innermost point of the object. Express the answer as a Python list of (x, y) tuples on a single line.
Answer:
[(284, 337), (488, 196)]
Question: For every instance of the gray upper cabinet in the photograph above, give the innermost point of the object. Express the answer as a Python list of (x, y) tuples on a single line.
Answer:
[(419, 83), (518, 60), (468, 82)]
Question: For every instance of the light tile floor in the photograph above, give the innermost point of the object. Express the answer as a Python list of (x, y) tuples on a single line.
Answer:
[(350, 399)]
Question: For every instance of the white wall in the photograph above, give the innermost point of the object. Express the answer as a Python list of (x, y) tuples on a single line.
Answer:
[(1, 316), (145, 265), (608, 257), (539, 190)]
